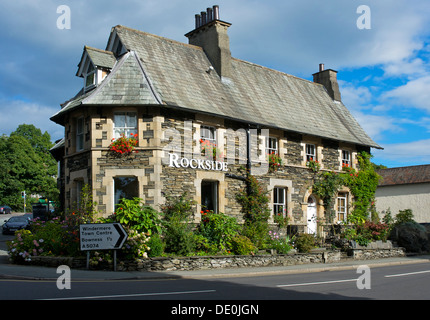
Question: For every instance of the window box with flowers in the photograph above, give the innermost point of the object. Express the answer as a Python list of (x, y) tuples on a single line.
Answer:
[(210, 150), (124, 145), (275, 162), (314, 165)]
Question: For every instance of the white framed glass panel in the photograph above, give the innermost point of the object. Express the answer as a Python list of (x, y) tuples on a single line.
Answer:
[(342, 206), (346, 158), (271, 145), (208, 133), (310, 152), (125, 123), (279, 201)]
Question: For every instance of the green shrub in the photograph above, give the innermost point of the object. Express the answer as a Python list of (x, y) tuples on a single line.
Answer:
[(219, 229), (179, 239), (404, 216), (137, 216), (367, 232), (305, 242), (242, 245), (203, 246), (178, 234), (156, 245)]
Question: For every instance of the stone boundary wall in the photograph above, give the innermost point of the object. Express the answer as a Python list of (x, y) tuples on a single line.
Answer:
[(216, 262)]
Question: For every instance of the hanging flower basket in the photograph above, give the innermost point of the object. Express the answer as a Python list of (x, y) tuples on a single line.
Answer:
[(124, 145)]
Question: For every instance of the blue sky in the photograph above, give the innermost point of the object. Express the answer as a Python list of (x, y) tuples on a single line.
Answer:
[(383, 72)]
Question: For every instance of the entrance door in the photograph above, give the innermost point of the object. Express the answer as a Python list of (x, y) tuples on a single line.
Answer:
[(209, 194), (312, 215)]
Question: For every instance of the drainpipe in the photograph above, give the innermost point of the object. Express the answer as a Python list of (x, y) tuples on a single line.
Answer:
[(248, 158), (248, 162)]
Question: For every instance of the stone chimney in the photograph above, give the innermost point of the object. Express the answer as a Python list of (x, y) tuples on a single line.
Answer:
[(211, 34), (328, 78)]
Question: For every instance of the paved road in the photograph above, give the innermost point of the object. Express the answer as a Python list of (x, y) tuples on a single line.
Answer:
[(403, 282), (408, 278)]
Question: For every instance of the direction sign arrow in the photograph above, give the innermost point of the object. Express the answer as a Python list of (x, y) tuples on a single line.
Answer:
[(102, 236), (122, 235)]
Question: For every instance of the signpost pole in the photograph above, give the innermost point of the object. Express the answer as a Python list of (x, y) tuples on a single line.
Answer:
[(114, 260)]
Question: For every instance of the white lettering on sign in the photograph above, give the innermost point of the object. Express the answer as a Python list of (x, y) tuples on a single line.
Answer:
[(102, 236), (174, 161)]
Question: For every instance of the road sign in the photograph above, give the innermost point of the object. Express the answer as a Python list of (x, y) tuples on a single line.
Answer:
[(102, 236)]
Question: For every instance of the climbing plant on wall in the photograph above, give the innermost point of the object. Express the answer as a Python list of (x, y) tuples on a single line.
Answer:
[(362, 183)]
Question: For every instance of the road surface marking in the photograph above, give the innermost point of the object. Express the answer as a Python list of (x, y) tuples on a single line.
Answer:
[(314, 283), (133, 295), (406, 274)]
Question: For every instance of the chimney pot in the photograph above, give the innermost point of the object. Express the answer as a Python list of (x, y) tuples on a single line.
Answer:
[(209, 13), (211, 35), (321, 67), (216, 12), (203, 13), (198, 21)]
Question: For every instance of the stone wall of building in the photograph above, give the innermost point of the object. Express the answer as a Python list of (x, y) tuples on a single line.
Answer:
[(157, 129)]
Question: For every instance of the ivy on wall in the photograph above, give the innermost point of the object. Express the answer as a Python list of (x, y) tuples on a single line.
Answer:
[(362, 184)]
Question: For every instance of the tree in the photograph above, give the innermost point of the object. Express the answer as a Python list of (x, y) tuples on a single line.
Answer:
[(26, 164), (41, 144)]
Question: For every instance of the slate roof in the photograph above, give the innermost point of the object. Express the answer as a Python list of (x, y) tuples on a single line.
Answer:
[(160, 71), (101, 58), (404, 175)]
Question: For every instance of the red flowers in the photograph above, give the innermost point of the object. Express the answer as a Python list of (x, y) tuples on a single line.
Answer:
[(124, 145), (204, 212), (210, 150), (275, 162)]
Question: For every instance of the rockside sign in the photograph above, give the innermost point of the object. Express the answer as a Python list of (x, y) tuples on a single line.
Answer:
[(102, 236)]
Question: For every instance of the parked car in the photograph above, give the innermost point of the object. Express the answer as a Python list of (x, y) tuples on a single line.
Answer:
[(5, 209), (15, 223)]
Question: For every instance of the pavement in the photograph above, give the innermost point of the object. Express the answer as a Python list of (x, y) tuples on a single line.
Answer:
[(29, 272)]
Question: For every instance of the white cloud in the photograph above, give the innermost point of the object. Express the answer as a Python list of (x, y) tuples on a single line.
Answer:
[(409, 152), (360, 101), (413, 68), (414, 94), (376, 126)]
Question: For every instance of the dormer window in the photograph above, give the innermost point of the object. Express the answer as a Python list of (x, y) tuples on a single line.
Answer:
[(90, 76), (95, 65)]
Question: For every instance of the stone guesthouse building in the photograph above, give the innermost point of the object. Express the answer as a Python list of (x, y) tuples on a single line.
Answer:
[(179, 98)]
